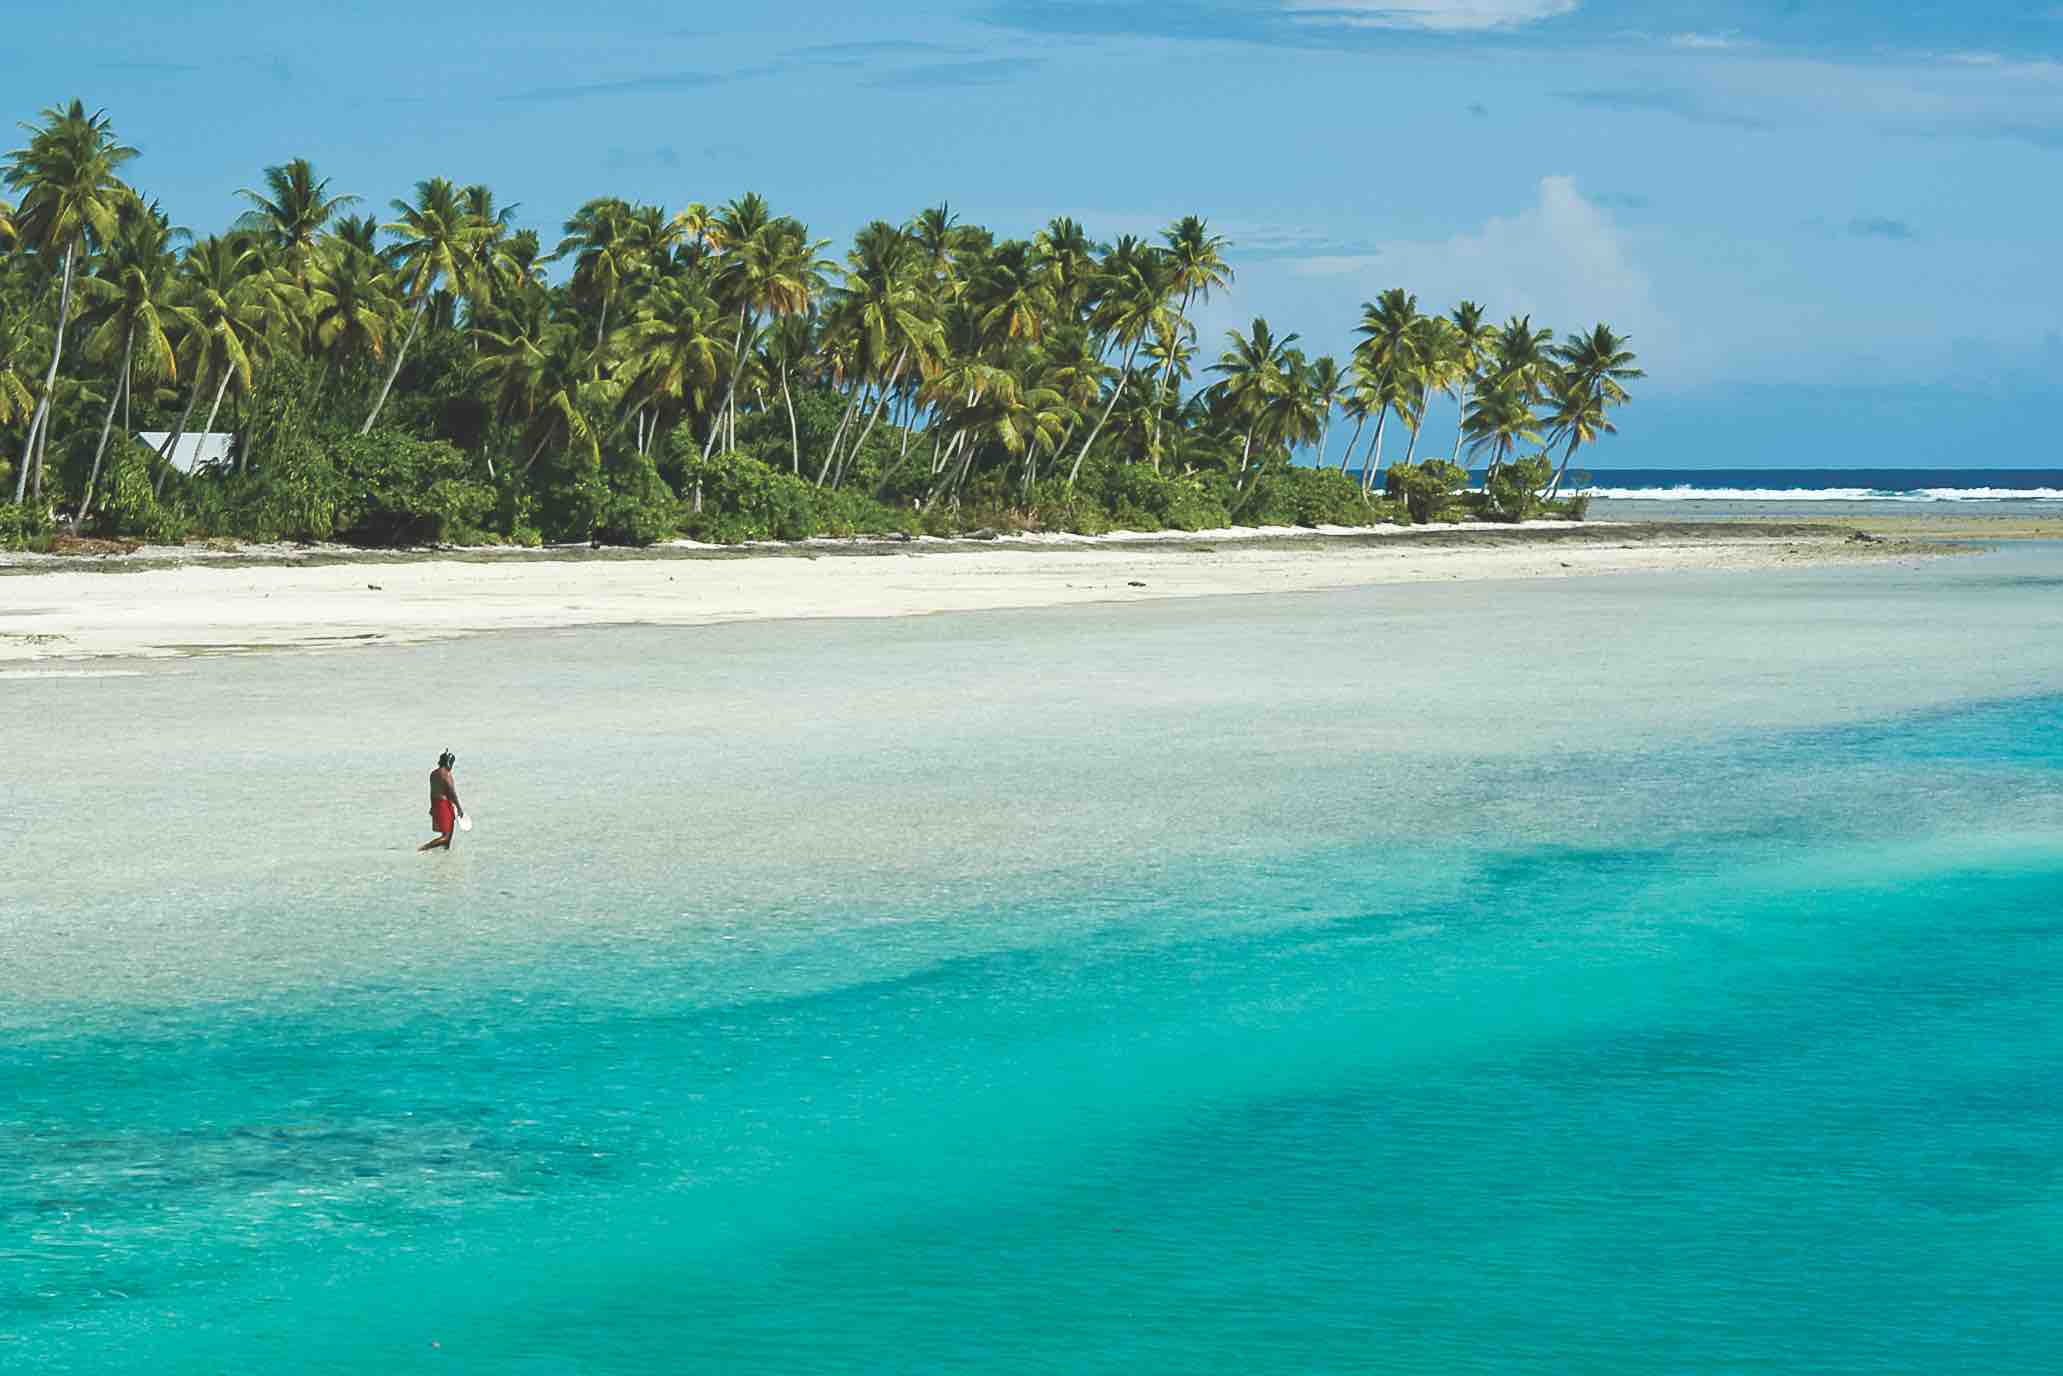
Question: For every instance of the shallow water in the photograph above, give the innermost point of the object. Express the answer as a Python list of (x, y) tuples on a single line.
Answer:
[(1615, 975)]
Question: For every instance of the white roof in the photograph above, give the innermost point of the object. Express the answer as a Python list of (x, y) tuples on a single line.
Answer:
[(194, 448)]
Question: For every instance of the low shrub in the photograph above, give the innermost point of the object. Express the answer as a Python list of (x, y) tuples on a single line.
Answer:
[(27, 526), (397, 490), (1427, 489), (1514, 490)]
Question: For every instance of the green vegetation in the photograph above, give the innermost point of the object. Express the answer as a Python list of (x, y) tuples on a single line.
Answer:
[(441, 376)]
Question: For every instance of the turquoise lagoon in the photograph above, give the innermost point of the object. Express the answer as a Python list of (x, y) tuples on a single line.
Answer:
[(1614, 975)]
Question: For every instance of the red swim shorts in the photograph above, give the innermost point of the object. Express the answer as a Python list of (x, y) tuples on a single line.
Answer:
[(440, 816)]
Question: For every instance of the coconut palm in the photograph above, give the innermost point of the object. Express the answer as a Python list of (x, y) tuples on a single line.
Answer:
[(10, 233), (602, 242), (772, 268), (1327, 385), (1500, 416), (1257, 371), (350, 302), (674, 356), (1067, 261), (1522, 360), (235, 302), (1434, 367), (70, 197), (437, 240), (1014, 297), (18, 339), (136, 307), (1383, 364), (359, 231), (493, 267), (291, 212), (1131, 294), (1592, 378), (890, 319), (1471, 340), (1196, 259)]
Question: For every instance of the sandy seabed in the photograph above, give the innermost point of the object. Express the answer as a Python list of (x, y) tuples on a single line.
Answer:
[(157, 603)]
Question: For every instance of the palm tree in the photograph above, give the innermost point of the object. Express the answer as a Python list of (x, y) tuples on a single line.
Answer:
[(601, 240), (1434, 367), (1014, 297), (438, 236), (359, 231), (1197, 259), (1521, 360), (1383, 361), (1327, 385), (771, 267), (1067, 260), (493, 263), (1131, 305), (18, 336), (292, 211), (1472, 338), (891, 320), (788, 353), (1257, 370), (350, 302), (136, 308), (234, 302), (1595, 369), (1500, 415), (10, 233), (70, 196), (673, 354)]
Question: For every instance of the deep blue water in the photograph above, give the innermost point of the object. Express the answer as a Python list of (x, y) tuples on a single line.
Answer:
[(1920, 486), (1778, 1092)]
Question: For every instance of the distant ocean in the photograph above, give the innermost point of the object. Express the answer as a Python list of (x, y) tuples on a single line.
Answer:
[(1764, 485)]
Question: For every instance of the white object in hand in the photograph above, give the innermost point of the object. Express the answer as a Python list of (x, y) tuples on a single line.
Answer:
[(465, 824)]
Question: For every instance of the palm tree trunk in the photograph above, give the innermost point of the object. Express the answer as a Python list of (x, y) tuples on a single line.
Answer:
[(1324, 439), (794, 430), (1245, 451), (1570, 453), (535, 453), (395, 371), (42, 454), (1460, 418), (1124, 373), (172, 440), (888, 392), (838, 435), (107, 426), (730, 395), (1373, 459), (213, 410), (1352, 440), (39, 424)]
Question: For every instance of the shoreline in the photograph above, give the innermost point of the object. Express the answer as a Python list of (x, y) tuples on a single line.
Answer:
[(173, 604)]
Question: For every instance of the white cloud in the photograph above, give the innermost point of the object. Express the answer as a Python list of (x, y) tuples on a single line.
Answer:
[(1455, 16), (1704, 42), (1562, 261)]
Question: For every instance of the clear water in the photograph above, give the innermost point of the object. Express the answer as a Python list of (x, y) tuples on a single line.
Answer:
[(1621, 975)]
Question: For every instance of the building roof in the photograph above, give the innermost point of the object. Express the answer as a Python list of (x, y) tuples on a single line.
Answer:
[(194, 448)]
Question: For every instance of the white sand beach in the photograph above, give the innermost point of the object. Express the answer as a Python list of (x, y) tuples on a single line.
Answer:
[(168, 603)]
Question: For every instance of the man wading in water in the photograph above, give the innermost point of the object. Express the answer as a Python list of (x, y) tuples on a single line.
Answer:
[(443, 803)]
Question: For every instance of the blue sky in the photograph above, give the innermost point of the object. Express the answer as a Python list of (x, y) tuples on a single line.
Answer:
[(1827, 226)]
